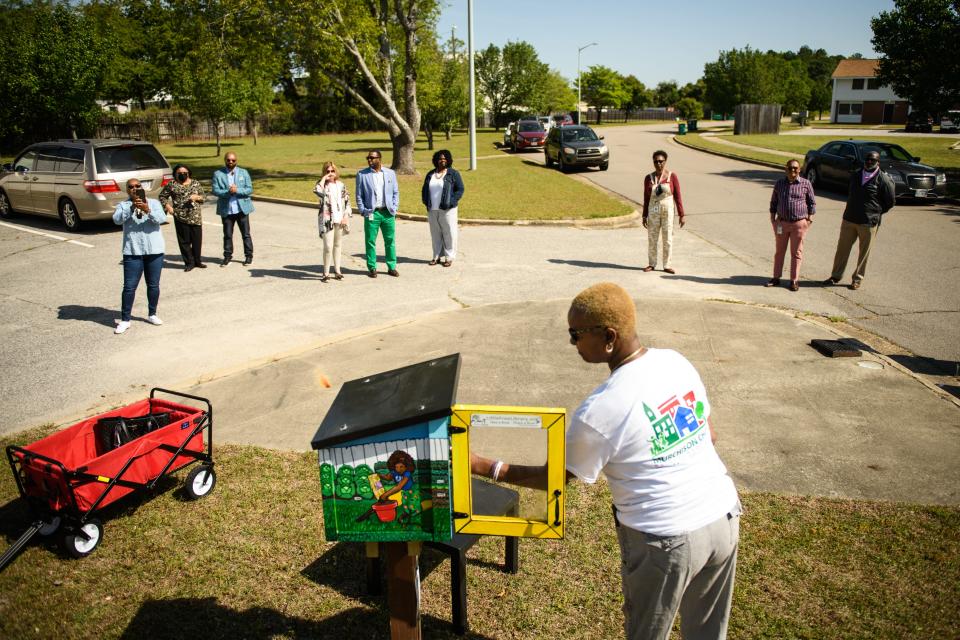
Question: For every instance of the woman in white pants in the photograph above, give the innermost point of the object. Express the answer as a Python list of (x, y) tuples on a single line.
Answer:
[(333, 217), (442, 190)]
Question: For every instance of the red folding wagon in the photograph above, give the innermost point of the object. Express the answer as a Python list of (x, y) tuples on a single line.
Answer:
[(71, 474)]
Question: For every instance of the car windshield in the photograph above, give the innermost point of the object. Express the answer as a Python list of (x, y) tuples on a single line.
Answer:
[(530, 126), (128, 158), (579, 135), (888, 152)]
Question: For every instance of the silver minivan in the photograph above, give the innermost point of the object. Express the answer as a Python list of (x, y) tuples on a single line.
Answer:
[(79, 180)]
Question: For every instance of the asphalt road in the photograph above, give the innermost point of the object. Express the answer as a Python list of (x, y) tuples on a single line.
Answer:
[(59, 294)]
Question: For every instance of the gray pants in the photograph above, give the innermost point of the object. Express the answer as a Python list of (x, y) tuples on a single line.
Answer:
[(443, 233), (692, 573)]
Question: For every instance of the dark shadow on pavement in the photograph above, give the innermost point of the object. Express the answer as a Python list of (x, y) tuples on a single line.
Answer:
[(595, 265), (746, 281), (952, 389), (90, 228), (381, 261), (928, 366), (286, 274), (97, 315)]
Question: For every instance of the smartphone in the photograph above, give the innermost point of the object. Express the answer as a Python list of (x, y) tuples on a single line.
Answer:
[(141, 194)]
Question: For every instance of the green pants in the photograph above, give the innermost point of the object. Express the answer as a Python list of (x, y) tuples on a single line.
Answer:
[(381, 220)]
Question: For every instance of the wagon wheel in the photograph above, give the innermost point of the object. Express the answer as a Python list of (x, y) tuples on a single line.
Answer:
[(200, 482), (50, 526), (81, 543)]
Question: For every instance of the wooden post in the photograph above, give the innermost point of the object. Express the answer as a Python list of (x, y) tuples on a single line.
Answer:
[(403, 589)]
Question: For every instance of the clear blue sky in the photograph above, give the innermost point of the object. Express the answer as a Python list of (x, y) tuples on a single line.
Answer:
[(666, 40)]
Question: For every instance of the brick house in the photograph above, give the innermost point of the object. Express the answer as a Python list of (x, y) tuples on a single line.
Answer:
[(858, 97)]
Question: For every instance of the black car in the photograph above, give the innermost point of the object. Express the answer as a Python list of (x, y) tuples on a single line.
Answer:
[(834, 161), (919, 122)]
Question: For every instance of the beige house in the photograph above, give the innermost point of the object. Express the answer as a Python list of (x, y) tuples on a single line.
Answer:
[(858, 96)]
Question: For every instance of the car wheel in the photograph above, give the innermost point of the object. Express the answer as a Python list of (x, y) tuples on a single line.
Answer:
[(546, 158), (813, 176), (81, 543), (5, 209), (69, 215), (562, 165)]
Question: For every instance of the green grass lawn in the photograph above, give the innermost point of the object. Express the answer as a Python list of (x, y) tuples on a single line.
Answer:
[(698, 141), (250, 560), (503, 187)]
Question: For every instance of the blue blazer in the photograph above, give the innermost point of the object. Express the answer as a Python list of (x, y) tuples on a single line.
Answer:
[(221, 189), (391, 191)]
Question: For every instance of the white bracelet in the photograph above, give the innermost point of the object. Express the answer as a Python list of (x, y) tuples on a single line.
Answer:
[(495, 473)]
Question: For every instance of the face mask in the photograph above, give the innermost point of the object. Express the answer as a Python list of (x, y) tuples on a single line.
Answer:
[(181, 177)]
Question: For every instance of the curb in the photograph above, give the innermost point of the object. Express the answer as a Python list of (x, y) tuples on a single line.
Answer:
[(614, 221), (728, 155)]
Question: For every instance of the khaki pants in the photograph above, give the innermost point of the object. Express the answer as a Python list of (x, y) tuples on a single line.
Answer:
[(660, 224), (849, 232), (331, 246)]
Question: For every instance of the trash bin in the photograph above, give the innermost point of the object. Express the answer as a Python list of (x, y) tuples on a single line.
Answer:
[(691, 125), (681, 128)]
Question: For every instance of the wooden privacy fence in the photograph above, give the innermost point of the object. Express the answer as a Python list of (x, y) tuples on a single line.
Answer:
[(756, 118)]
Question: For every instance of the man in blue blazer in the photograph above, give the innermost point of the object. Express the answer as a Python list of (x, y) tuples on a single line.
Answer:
[(378, 198), (233, 188)]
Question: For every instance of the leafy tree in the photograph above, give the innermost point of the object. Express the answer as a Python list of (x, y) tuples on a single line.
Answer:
[(918, 41), (555, 94), (443, 93), (603, 87), (640, 96), (689, 109), (369, 51), (696, 90), (743, 76), (511, 78), (666, 94), (51, 69)]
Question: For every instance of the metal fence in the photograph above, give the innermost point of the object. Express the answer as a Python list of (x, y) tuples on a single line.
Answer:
[(177, 127), (627, 115)]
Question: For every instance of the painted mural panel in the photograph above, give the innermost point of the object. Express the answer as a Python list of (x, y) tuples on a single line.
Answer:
[(394, 490)]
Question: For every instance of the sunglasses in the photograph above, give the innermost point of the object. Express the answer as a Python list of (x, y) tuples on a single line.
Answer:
[(369, 158), (576, 334), (133, 186), (331, 170), (231, 161), (793, 168), (659, 161)]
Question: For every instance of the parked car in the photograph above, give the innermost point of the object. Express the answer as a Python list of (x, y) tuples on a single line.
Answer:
[(507, 132), (79, 180), (576, 145), (950, 122), (546, 122), (919, 122), (834, 161), (563, 120), (527, 134)]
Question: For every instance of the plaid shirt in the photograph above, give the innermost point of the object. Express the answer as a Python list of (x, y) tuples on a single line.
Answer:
[(792, 201)]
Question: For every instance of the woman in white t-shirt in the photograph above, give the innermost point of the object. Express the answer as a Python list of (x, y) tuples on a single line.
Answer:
[(441, 193), (647, 429), (333, 218)]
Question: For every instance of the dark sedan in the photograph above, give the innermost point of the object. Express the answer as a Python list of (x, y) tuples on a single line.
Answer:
[(834, 161)]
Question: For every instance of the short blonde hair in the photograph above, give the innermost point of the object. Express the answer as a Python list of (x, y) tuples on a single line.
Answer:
[(327, 165), (609, 305)]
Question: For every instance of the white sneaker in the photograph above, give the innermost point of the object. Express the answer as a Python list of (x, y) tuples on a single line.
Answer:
[(155, 320), (122, 326)]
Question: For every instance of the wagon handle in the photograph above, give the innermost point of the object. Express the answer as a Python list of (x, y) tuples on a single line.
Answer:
[(209, 413)]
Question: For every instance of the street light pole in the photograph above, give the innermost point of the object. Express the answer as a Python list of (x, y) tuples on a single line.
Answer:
[(473, 90), (578, 77)]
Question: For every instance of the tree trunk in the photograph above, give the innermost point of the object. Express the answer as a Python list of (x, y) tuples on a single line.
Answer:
[(448, 132), (254, 119), (216, 126), (429, 131), (403, 153)]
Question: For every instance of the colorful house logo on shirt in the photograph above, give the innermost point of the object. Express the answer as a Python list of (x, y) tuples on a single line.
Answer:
[(677, 422)]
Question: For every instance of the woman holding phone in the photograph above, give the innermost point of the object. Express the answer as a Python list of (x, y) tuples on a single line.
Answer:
[(143, 250), (333, 217), (182, 199)]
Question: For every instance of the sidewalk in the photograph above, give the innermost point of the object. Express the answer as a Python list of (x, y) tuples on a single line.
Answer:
[(789, 419)]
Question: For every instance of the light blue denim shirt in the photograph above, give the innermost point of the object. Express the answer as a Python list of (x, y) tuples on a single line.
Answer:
[(141, 236)]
